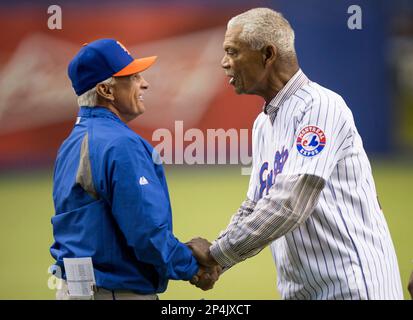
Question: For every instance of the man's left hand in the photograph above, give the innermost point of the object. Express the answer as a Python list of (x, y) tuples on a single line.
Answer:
[(200, 249)]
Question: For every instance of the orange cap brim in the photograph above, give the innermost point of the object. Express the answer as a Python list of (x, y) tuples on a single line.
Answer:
[(137, 65)]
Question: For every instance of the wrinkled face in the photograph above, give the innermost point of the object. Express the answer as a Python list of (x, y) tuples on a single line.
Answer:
[(128, 92), (243, 66)]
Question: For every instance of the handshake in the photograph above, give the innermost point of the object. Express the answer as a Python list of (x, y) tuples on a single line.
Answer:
[(209, 269)]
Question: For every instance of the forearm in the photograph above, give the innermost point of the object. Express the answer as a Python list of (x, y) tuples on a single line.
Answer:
[(246, 208), (171, 258), (287, 206)]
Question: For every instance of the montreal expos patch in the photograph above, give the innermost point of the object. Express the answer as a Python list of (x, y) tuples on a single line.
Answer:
[(311, 141)]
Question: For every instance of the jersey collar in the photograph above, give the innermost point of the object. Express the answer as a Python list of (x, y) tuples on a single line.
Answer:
[(298, 80), (98, 112)]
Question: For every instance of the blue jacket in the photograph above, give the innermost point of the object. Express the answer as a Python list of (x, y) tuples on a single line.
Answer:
[(112, 204)]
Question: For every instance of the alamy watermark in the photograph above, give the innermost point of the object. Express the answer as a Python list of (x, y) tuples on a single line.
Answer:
[(54, 282), (54, 22), (355, 22), (194, 146)]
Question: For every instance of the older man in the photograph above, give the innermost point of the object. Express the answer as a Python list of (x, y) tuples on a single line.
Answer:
[(311, 194), (111, 198)]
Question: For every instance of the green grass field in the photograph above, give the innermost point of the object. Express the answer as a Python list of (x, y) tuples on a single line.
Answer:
[(203, 200)]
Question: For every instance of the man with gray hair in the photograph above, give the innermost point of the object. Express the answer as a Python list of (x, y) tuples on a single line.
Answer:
[(311, 195), (111, 199)]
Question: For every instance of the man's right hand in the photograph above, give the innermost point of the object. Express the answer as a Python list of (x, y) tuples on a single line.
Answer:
[(209, 270), (206, 277)]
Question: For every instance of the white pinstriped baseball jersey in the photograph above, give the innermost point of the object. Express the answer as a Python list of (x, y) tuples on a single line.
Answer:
[(343, 250), (312, 191)]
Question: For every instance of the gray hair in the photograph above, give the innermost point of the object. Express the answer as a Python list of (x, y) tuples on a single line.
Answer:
[(90, 97), (263, 26)]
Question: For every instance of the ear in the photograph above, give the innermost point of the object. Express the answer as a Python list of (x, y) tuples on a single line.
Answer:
[(269, 55), (105, 91)]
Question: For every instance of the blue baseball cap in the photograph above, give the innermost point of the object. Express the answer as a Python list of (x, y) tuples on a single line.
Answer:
[(100, 60)]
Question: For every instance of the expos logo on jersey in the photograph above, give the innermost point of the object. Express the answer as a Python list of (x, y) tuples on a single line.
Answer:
[(311, 141)]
